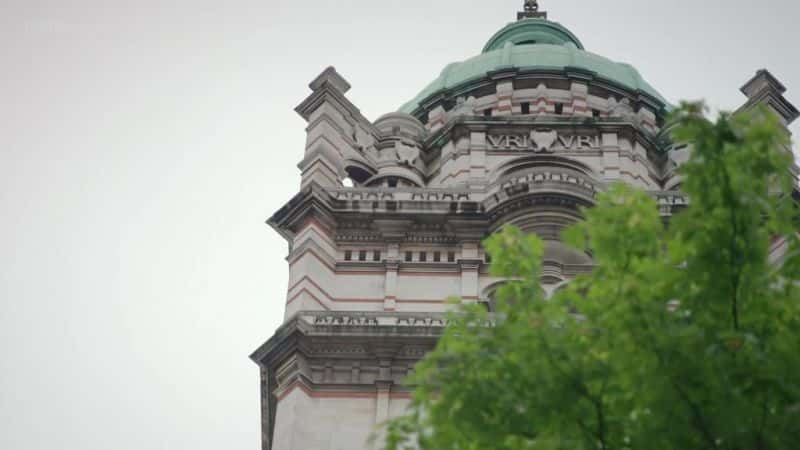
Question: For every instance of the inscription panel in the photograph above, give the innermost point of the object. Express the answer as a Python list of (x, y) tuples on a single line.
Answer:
[(542, 141)]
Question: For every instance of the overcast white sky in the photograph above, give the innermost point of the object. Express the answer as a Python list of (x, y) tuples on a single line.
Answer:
[(143, 144)]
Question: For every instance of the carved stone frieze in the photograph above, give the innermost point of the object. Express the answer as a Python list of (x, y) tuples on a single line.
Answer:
[(431, 238), (334, 349), (342, 348), (414, 351)]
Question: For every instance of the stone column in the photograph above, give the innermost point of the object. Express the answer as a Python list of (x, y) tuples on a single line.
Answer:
[(611, 161)]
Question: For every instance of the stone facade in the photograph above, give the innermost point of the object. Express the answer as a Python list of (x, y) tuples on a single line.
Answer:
[(390, 216)]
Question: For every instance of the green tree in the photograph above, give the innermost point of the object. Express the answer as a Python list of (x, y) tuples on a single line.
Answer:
[(682, 337)]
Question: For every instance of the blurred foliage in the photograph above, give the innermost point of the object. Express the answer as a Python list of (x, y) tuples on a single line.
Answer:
[(682, 337)]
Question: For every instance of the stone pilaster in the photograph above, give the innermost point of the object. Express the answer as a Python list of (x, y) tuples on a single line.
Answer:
[(611, 159), (542, 104), (505, 92), (580, 100), (390, 284), (470, 265)]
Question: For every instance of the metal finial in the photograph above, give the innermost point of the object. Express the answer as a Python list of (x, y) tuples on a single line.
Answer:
[(531, 11)]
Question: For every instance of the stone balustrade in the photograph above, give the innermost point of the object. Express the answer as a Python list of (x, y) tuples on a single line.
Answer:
[(372, 319), (540, 179), (406, 194)]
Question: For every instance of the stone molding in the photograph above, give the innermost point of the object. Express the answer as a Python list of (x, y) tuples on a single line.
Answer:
[(353, 214), (344, 354)]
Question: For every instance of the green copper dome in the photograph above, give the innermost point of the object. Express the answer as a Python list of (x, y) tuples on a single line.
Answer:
[(532, 31), (534, 44)]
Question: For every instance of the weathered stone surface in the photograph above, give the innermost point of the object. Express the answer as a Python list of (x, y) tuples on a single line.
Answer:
[(373, 263)]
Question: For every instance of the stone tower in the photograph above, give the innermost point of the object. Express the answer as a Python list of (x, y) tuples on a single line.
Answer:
[(390, 215)]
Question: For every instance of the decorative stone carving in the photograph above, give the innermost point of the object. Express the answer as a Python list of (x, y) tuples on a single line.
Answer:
[(333, 349), (414, 351), (367, 319), (465, 107), (622, 109), (544, 140), (345, 320), (406, 154), (417, 321), (364, 140)]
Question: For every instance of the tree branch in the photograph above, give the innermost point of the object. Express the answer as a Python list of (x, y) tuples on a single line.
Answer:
[(699, 422)]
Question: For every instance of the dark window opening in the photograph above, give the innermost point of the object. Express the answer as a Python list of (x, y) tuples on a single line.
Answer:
[(595, 113), (488, 258), (392, 182), (559, 108), (376, 255), (348, 255), (487, 112), (437, 256), (362, 255), (526, 108), (408, 257), (423, 256), (451, 256)]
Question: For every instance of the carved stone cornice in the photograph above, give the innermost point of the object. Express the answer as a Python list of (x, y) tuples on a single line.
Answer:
[(311, 202), (351, 328), (443, 216), (393, 230), (342, 353)]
